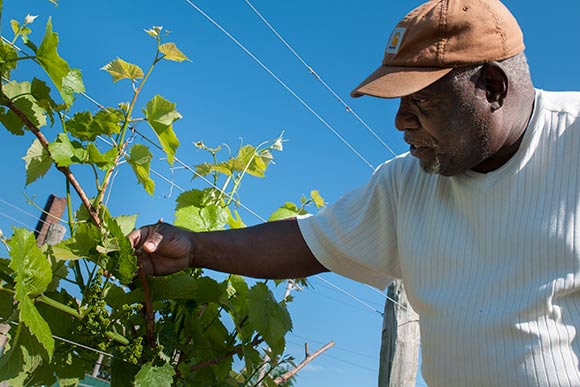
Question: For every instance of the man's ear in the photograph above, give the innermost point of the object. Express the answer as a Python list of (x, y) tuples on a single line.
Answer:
[(494, 81)]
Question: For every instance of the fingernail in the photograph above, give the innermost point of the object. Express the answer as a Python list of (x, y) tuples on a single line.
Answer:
[(150, 245)]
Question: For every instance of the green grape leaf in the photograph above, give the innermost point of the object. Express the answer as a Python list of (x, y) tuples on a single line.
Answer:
[(33, 275), (67, 81), (65, 152), (140, 160), (171, 52), (209, 290), (268, 317), (78, 126), (251, 160), (189, 218), (85, 127), (176, 286), (33, 272), (152, 376), (104, 161), (26, 354), (214, 217), (72, 83), (126, 223), (59, 271), (288, 210), (196, 210), (122, 373), (161, 115), (83, 244), (234, 219), (124, 262), (107, 122), (238, 298), (24, 101), (5, 271), (196, 198), (63, 252), (15, 26), (66, 366), (37, 161), (11, 122), (6, 305), (8, 59), (119, 69), (38, 326), (208, 218), (41, 92), (248, 160), (317, 199)]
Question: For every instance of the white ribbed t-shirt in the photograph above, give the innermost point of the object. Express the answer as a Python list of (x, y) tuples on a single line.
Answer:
[(491, 262)]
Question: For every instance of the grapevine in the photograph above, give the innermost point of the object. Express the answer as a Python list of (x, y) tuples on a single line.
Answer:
[(87, 291)]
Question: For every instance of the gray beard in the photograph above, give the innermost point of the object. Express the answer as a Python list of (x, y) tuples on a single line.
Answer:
[(433, 167)]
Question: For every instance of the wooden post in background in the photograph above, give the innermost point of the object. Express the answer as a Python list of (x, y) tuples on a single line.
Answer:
[(48, 229), (399, 359)]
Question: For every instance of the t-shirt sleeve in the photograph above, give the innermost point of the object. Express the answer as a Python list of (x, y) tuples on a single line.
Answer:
[(356, 236)]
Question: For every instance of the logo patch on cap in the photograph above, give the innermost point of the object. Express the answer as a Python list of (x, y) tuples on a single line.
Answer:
[(395, 40)]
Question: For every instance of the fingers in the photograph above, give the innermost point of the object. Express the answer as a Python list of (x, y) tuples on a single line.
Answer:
[(146, 238)]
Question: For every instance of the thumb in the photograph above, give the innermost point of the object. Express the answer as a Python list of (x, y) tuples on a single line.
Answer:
[(152, 242)]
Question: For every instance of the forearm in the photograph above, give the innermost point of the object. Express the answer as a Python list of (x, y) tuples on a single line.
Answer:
[(270, 250)]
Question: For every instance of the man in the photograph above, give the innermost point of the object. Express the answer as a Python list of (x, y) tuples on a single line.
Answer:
[(481, 219)]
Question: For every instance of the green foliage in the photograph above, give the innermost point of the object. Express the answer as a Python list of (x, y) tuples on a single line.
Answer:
[(151, 376), (38, 162), (32, 276), (183, 329), (171, 52), (270, 318), (67, 81), (119, 69), (140, 160), (161, 115)]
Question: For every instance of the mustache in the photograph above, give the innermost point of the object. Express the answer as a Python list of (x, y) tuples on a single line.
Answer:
[(419, 141)]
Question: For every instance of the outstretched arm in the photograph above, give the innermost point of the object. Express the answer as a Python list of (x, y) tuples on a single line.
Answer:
[(269, 250)]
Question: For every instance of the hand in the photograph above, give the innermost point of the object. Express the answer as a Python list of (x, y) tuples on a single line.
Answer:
[(162, 248)]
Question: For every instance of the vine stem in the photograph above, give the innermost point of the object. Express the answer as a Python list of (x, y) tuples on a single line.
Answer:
[(149, 317), (123, 130), (72, 312), (65, 170)]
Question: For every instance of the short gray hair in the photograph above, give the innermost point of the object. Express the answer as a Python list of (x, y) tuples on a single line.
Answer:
[(516, 68)]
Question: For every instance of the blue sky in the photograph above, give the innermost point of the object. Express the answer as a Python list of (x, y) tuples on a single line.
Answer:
[(226, 97)]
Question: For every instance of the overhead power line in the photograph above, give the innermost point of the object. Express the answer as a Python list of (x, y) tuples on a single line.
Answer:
[(319, 78), (282, 83)]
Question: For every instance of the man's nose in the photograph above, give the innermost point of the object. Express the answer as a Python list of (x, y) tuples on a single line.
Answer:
[(406, 119)]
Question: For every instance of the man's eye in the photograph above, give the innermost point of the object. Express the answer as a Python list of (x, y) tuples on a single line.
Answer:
[(420, 100)]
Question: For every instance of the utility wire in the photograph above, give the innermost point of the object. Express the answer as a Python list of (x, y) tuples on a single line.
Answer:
[(319, 78), (284, 85), (192, 170), (16, 220), (349, 294)]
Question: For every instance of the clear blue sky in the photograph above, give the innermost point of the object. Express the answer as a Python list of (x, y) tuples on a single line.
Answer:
[(225, 97)]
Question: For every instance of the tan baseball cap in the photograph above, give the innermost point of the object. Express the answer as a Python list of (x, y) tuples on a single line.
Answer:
[(438, 36)]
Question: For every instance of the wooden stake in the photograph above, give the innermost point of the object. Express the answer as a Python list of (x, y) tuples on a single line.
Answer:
[(400, 344), (53, 210)]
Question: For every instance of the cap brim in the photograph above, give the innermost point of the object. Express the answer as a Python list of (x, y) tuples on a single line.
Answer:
[(398, 81)]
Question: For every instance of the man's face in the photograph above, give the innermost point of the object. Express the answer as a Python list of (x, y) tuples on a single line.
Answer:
[(447, 126)]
